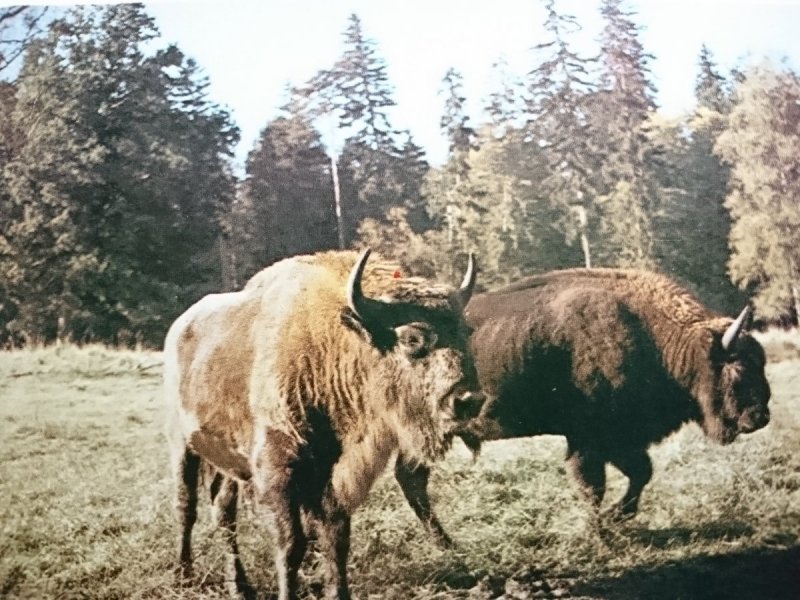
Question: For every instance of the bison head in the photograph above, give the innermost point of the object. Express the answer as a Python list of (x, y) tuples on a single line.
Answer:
[(741, 392), (425, 373)]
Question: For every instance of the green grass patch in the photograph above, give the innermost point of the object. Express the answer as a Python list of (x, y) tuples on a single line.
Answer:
[(86, 509)]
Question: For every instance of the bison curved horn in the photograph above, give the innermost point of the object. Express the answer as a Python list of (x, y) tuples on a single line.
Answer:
[(363, 307), (734, 329), (468, 284)]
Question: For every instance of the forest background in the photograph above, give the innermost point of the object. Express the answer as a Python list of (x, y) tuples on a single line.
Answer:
[(120, 204)]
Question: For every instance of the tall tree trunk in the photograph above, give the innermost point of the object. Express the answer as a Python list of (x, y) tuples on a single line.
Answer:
[(227, 262), (795, 292), (582, 224), (338, 201)]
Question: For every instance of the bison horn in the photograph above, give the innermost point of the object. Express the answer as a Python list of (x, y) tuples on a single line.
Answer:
[(468, 284), (360, 305), (734, 329)]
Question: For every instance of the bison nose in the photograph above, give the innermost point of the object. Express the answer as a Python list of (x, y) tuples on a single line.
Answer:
[(754, 420), (468, 406)]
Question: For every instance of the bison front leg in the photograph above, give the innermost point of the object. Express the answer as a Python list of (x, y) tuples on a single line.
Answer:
[(225, 492), (589, 470), (413, 481), (277, 492), (333, 531), (290, 546), (638, 468)]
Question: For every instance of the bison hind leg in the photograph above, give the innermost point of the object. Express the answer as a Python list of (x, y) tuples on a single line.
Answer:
[(186, 465), (225, 493), (637, 467), (589, 469)]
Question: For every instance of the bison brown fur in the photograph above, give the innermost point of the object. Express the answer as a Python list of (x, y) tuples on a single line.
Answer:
[(614, 360), (304, 386)]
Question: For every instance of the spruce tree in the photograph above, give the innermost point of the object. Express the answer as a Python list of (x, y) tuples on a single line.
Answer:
[(379, 167), (619, 114), (288, 195), (711, 89), (557, 92), (693, 225)]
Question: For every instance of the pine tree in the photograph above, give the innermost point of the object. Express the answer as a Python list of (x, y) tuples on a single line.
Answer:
[(711, 90), (506, 102), (356, 90), (455, 123), (693, 225)]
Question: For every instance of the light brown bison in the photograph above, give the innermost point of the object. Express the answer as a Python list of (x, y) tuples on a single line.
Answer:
[(615, 360), (305, 386)]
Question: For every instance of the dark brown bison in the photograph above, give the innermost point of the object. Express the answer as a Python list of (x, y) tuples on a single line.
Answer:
[(615, 360), (305, 386)]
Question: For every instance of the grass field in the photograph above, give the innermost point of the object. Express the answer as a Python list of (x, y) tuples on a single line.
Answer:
[(85, 505)]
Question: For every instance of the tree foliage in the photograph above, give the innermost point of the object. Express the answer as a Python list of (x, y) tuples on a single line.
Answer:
[(116, 189), (287, 205), (19, 25), (619, 115), (559, 89), (119, 206), (693, 226), (379, 166), (762, 144)]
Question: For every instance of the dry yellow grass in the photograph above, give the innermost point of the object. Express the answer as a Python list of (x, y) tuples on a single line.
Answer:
[(86, 505)]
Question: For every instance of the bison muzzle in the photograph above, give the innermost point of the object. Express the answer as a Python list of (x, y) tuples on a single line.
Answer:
[(303, 385)]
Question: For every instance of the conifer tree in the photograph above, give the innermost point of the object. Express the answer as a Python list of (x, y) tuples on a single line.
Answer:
[(693, 225), (619, 115), (455, 123), (288, 204), (379, 167), (116, 190), (711, 89), (506, 103), (557, 92)]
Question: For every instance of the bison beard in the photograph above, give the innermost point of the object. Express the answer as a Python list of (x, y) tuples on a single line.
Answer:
[(304, 386), (615, 360)]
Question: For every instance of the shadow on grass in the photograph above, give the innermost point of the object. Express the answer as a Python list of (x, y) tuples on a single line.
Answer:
[(673, 537), (765, 574)]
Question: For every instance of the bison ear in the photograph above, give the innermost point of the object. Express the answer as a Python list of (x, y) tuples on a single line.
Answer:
[(382, 339), (352, 321)]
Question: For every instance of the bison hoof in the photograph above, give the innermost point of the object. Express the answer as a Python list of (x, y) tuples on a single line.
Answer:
[(618, 513), (445, 542), (184, 574), (239, 590)]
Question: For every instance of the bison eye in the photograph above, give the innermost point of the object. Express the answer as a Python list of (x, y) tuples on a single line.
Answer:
[(416, 339)]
